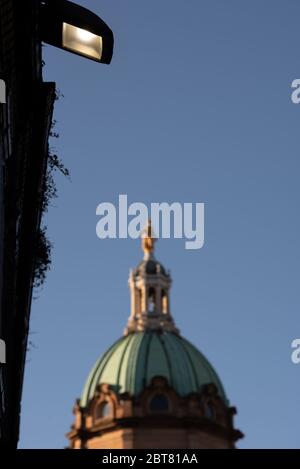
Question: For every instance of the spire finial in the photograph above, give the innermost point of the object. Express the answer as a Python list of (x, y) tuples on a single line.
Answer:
[(148, 240)]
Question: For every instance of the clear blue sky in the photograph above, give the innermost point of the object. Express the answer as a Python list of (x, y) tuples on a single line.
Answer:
[(195, 107)]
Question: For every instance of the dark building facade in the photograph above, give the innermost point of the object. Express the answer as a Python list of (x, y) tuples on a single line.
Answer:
[(25, 122)]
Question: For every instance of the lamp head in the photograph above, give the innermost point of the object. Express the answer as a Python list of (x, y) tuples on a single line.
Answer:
[(72, 27)]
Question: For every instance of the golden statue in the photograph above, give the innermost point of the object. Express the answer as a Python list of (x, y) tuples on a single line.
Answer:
[(148, 239)]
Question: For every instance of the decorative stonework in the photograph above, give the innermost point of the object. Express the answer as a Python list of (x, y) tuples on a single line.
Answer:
[(132, 421)]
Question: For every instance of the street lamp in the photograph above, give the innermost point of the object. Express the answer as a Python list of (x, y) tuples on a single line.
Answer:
[(74, 28)]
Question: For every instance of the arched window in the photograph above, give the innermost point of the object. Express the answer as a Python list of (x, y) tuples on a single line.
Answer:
[(104, 410), (164, 302), (159, 403), (151, 300), (209, 411)]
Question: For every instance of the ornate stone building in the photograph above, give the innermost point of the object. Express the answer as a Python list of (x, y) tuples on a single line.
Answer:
[(152, 388)]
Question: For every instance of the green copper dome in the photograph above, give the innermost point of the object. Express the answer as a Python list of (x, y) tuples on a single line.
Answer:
[(131, 362)]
